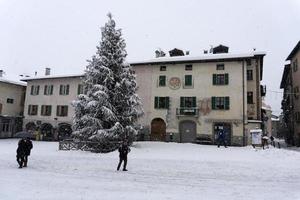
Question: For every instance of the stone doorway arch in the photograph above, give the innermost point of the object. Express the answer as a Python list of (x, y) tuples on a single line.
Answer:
[(158, 130), (47, 131)]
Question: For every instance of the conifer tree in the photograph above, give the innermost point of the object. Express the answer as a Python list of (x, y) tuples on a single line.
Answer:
[(107, 113)]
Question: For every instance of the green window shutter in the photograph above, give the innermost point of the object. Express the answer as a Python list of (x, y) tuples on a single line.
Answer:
[(42, 110), (188, 80), (29, 108), (38, 90), (57, 110), (181, 101), (78, 89), (162, 81), (213, 103), (45, 90), (227, 103), (214, 79), (51, 92), (68, 87), (226, 79), (156, 102), (194, 102), (31, 91), (60, 89), (167, 102)]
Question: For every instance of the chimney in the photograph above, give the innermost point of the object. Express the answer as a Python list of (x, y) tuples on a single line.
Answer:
[(35, 73), (47, 71), (187, 53), (205, 51), (1, 73)]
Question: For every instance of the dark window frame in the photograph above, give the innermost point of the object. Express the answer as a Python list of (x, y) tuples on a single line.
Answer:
[(220, 103), (9, 100), (249, 75), (188, 81), (250, 98), (62, 110), (162, 81), (188, 67), (161, 102), (46, 110), (220, 67), (33, 109), (163, 68), (220, 79)]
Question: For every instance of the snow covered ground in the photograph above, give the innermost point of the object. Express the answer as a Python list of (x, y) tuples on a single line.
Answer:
[(156, 171)]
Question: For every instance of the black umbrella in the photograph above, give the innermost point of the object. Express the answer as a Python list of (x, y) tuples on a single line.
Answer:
[(24, 134)]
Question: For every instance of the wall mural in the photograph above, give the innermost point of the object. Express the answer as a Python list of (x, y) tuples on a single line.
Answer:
[(204, 106), (174, 83)]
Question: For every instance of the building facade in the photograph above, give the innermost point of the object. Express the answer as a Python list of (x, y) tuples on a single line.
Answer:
[(290, 84), (12, 96), (189, 99), (48, 106)]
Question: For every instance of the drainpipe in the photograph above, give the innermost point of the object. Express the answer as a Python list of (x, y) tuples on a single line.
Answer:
[(243, 75)]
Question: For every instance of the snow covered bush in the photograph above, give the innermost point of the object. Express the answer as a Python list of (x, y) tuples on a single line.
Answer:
[(107, 113)]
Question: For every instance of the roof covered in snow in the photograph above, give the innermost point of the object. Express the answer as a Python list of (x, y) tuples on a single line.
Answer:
[(203, 58), (21, 83), (52, 77)]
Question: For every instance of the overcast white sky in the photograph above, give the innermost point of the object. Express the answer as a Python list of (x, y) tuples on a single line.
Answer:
[(62, 34)]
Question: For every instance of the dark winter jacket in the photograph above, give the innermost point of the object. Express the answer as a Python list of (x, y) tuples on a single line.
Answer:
[(124, 150), (28, 147), (21, 148), (221, 135)]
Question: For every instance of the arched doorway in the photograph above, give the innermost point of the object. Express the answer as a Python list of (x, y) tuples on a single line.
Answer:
[(187, 131), (47, 131), (227, 130), (30, 126), (158, 130), (64, 131)]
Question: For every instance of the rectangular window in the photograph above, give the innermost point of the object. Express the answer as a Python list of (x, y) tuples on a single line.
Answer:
[(161, 102), (248, 62), (46, 110), (295, 65), (5, 125), (11, 101), (188, 80), (163, 68), (32, 109), (81, 89), (35, 90), (48, 90), (189, 67), (162, 81), (220, 66), (187, 102), (64, 89), (249, 75), (250, 97), (220, 103), (62, 111), (220, 79)]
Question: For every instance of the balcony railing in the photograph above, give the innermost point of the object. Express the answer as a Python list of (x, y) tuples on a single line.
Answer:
[(189, 111)]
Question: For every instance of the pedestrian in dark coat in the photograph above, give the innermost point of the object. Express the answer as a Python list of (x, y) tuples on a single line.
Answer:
[(221, 138), (21, 152), (123, 151), (27, 150)]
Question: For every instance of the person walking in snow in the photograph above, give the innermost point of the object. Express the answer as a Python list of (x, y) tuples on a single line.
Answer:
[(27, 150), (21, 152), (123, 151), (221, 138)]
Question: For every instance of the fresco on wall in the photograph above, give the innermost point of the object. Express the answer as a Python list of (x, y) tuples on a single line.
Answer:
[(204, 106)]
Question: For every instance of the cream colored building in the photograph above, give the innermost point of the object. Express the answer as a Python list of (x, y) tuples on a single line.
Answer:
[(12, 96), (189, 99), (48, 104)]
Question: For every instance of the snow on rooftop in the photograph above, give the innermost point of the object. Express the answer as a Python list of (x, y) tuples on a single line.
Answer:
[(202, 57), (21, 83), (52, 77)]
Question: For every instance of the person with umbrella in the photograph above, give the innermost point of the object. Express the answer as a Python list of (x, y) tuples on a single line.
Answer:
[(21, 152), (28, 148)]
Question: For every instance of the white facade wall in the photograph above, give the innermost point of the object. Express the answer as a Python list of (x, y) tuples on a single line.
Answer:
[(54, 100)]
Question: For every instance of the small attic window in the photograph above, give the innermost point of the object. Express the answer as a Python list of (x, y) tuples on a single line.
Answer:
[(189, 67), (220, 66), (163, 68)]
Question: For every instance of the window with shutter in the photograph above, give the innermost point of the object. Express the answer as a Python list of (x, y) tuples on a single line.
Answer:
[(227, 103), (213, 103), (162, 81), (226, 79), (188, 80)]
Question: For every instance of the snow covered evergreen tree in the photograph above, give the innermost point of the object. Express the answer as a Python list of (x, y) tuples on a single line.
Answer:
[(108, 112)]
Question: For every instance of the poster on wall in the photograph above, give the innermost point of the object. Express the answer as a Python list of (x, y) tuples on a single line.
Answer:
[(256, 136)]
